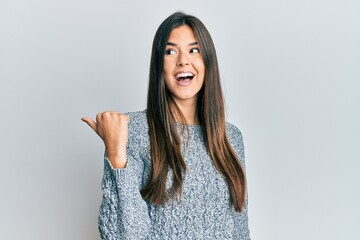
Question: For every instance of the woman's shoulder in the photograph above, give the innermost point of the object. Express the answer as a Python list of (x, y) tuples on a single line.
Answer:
[(137, 125), (233, 132), (137, 114), (137, 120)]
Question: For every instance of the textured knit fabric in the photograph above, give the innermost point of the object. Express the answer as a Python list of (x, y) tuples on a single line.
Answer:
[(204, 210)]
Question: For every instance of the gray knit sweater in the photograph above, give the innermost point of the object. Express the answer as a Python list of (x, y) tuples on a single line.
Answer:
[(204, 210)]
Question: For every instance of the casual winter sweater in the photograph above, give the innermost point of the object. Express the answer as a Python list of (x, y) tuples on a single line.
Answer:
[(204, 210)]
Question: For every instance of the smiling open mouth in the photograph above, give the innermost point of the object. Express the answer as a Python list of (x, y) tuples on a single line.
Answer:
[(186, 76)]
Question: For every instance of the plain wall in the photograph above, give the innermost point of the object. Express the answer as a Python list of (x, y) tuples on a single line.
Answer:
[(290, 72)]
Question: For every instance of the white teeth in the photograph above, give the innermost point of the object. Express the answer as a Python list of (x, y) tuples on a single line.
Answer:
[(186, 74)]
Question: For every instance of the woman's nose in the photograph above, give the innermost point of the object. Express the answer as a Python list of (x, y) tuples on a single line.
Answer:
[(182, 60)]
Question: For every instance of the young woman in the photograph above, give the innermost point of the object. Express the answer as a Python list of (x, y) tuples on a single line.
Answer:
[(175, 170)]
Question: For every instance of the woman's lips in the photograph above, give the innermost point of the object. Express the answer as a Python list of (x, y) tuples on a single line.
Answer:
[(184, 78), (185, 82)]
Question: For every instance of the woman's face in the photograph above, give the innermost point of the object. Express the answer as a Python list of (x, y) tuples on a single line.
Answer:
[(184, 67)]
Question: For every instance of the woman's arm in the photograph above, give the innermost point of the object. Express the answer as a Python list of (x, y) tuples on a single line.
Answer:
[(241, 219), (123, 213)]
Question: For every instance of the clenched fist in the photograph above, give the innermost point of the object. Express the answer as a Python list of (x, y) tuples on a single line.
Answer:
[(112, 128)]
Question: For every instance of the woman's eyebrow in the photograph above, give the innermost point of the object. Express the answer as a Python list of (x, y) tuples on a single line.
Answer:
[(174, 44)]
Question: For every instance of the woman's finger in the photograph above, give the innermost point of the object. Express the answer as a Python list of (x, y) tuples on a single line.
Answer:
[(90, 122)]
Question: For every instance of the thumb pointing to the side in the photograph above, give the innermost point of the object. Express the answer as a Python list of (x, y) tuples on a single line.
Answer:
[(90, 122)]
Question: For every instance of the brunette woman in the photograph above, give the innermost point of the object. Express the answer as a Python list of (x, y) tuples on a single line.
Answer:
[(175, 170)]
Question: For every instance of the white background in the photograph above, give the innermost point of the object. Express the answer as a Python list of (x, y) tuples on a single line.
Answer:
[(290, 73)]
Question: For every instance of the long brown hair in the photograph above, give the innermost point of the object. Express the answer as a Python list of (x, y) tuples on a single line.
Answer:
[(164, 138)]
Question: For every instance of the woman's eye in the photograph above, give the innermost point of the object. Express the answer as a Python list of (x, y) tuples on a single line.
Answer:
[(195, 50), (169, 52)]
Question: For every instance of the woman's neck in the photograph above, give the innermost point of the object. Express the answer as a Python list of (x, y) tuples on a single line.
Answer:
[(189, 112)]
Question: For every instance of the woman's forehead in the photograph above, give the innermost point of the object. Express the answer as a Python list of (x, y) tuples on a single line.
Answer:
[(182, 34)]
